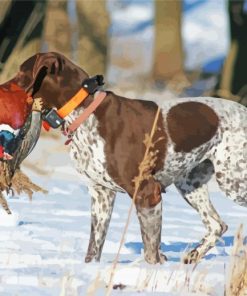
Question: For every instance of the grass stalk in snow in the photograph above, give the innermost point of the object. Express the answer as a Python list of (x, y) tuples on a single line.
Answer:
[(148, 158), (237, 272)]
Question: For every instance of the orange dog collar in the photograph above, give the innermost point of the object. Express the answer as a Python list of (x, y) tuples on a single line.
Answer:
[(73, 103), (55, 118)]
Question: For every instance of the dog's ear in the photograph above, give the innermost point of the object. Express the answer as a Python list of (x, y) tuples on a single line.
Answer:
[(52, 77), (41, 65)]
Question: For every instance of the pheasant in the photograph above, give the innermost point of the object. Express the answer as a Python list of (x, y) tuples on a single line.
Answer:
[(20, 124)]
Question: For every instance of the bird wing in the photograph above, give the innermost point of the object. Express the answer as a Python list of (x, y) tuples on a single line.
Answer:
[(29, 136)]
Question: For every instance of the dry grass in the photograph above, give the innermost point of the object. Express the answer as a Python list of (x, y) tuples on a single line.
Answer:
[(178, 279), (181, 278), (237, 273), (184, 278), (144, 171)]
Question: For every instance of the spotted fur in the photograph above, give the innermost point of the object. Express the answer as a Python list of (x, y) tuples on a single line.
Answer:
[(101, 210), (151, 221), (87, 153), (195, 138), (225, 154)]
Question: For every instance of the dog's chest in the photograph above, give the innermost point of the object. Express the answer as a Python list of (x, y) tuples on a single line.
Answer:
[(88, 156)]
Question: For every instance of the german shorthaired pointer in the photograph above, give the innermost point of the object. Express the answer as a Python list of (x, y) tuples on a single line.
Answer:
[(198, 137)]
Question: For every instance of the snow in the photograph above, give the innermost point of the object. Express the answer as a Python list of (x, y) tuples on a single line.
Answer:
[(136, 14), (8, 220), (44, 242), (43, 245), (205, 33)]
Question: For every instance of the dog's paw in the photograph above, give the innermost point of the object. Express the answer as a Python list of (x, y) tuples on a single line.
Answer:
[(162, 258), (192, 257), (159, 258), (89, 258), (92, 257)]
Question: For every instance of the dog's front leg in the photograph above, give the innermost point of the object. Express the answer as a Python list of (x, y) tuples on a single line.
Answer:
[(149, 212), (102, 202)]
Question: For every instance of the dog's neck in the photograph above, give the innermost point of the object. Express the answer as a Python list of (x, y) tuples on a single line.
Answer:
[(99, 109)]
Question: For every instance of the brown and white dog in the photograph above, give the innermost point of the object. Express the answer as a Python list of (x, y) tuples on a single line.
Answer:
[(199, 137)]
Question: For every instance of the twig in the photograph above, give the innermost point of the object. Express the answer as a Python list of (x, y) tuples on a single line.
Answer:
[(137, 180)]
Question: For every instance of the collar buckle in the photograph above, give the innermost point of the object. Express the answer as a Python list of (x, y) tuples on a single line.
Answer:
[(91, 85), (53, 118)]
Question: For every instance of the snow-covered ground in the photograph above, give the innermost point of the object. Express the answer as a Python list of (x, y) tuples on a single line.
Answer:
[(43, 245)]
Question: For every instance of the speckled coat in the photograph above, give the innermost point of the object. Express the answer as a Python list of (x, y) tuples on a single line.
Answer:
[(195, 138), (225, 154)]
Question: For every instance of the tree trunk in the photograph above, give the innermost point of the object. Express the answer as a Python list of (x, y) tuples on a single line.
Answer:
[(57, 30), (93, 23), (233, 81), (168, 52)]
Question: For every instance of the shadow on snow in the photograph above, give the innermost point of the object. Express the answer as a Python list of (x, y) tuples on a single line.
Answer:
[(182, 247)]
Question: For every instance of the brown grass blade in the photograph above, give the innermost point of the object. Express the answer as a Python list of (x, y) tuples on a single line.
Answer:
[(237, 272)]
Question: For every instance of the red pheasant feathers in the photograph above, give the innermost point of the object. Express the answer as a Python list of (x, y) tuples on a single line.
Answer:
[(14, 105)]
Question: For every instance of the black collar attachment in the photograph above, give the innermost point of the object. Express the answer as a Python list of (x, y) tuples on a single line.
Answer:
[(52, 118), (91, 85)]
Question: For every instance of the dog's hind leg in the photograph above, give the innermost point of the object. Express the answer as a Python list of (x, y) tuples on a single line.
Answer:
[(102, 202), (149, 211), (231, 166), (193, 188)]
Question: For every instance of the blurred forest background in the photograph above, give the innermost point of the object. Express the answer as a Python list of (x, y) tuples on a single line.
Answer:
[(190, 47)]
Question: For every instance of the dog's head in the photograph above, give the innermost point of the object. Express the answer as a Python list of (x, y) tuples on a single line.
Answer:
[(50, 76)]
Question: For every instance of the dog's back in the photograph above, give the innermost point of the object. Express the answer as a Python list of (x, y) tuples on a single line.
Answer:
[(200, 137)]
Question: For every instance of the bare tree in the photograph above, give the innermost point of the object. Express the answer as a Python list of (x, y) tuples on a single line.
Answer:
[(168, 51), (233, 81), (57, 29), (93, 23)]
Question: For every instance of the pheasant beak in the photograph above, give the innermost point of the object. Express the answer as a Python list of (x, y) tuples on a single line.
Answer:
[(7, 156), (4, 155)]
